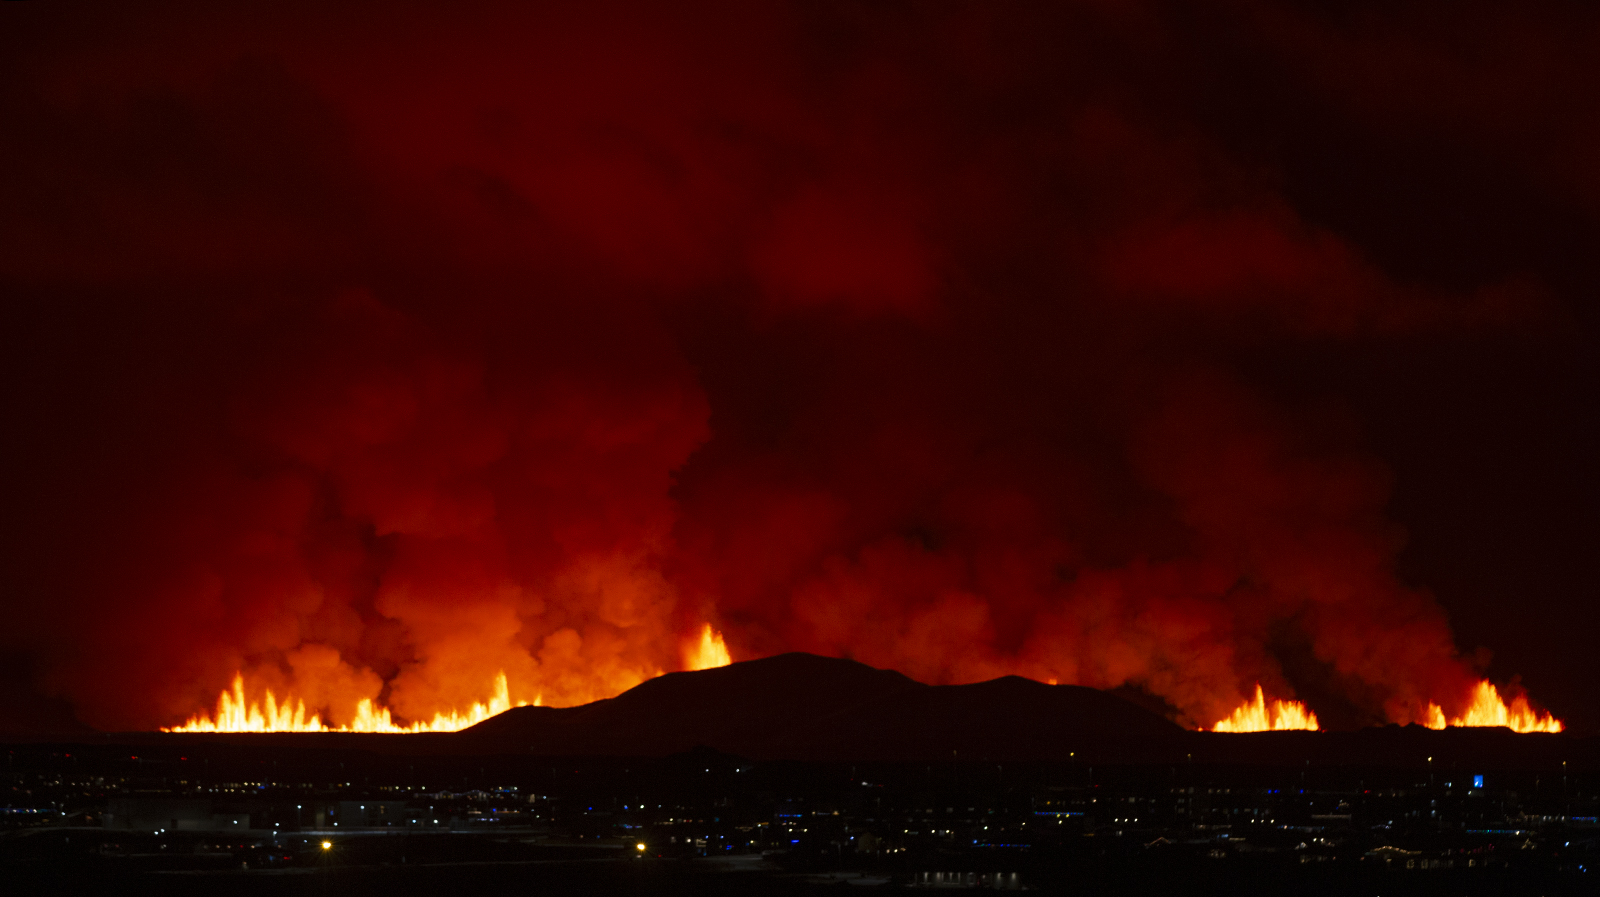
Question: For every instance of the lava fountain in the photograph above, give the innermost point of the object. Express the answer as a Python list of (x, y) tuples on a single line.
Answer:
[(1489, 709), (1260, 715), (707, 653), (236, 714)]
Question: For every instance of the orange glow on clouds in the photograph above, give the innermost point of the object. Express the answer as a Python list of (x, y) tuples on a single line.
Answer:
[(1260, 715), (548, 368)]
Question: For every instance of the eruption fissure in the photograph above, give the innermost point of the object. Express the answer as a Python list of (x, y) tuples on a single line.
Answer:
[(1486, 709), (236, 714), (1260, 715), (1489, 709)]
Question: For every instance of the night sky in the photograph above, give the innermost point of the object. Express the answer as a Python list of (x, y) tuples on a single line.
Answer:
[(374, 349)]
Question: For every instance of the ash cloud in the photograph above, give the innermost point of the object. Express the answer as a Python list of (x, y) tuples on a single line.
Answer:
[(372, 352)]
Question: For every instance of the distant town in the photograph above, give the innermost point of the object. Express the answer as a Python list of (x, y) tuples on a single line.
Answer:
[(204, 818)]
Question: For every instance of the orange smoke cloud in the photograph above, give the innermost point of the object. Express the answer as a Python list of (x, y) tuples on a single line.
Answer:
[(402, 392)]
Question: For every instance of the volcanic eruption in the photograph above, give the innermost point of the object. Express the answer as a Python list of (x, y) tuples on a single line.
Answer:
[(383, 374)]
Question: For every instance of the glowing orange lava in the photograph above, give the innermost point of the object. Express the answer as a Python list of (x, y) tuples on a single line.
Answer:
[(235, 714), (711, 651), (1260, 716), (1488, 709)]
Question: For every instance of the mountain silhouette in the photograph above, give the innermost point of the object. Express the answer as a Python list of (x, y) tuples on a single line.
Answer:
[(805, 707), (808, 708)]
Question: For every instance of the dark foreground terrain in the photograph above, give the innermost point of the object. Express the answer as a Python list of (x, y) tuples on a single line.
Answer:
[(811, 776), (243, 821), (643, 879)]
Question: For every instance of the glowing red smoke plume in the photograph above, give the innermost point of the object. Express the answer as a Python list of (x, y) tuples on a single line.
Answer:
[(441, 362)]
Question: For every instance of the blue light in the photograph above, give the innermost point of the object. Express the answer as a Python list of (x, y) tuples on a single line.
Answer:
[(1477, 781)]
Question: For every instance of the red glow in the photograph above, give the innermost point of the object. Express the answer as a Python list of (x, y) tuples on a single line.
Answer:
[(388, 373)]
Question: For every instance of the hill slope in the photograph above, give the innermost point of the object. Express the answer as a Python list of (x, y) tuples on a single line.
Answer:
[(800, 706)]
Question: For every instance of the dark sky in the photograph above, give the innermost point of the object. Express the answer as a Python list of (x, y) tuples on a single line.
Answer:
[(372, 349)]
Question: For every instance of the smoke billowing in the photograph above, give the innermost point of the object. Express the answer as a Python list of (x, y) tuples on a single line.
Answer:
[(374, 351)]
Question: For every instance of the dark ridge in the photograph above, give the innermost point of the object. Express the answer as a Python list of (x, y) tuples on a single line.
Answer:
[(745, 703), (809, 708), (1003, 719), (804, 707)]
